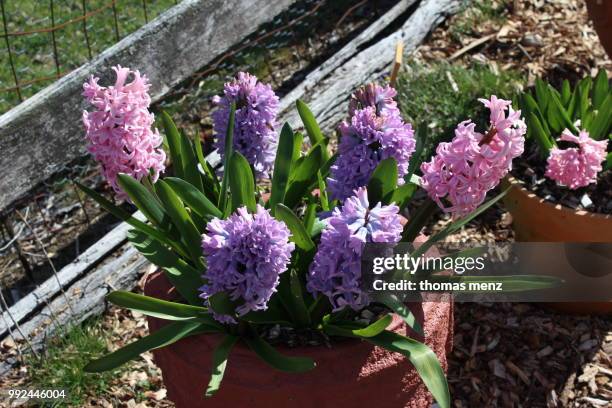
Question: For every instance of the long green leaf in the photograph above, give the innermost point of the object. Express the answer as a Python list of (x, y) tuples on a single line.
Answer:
[(542, 138), (242, 183), (371, 330), (275, 359), (282, 166), (174, 143), (209, 179), (142, 198), (422, 358), (299, 235), (167, 335), (191, 174), (303, 177), (422, 135), (127, 217), (600, 89), (156, 307), (382, 182), (227, 154), (219, 362), (311, 126), (181, 275), (600, 126), (191, 196), (181, 219), (402, 195), (513, 283), (393, 303)]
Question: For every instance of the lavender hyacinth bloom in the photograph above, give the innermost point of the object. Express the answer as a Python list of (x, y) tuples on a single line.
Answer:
[(366, 141), (375, 96), (245, 254), (255, 136), (336, 269)]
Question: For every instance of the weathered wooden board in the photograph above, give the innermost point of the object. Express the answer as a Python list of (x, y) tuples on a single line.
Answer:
[(86, 298), (36, 300), (327, 91), (44, 133)]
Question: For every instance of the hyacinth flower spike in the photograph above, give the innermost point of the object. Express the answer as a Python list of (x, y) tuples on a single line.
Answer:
[(374, 132), (578, 166), (119, 131), (466, 168)]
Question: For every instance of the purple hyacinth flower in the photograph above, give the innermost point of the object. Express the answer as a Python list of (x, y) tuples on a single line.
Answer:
[(245, 254), (366, 141), (336, 269), (376, 96), (255, 135)]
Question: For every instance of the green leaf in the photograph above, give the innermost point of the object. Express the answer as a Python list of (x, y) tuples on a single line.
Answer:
[(298, 140), (274, 314), (310, 215), (142, 198), (322, 192), (456, 225), (303, 177), (402, 195), (566, 93), (600, 126), (544, 141), (167, 335), (174, 143), (191, 174), (221, 303), (422, 358), (157, 308), (553, 117), (542, 94), (422, 134), (600, 90), (372, 330), (311, 126), (608, 163), (276, 360), (219, 362), (227, 154), (127, 217), (185, 278), (584, 89), (393, 303), (242, 183), (299, 235), (418, 220), (181, 220), (282, 166), (209, 179), (191, 196), (382, 182), (562, 114)]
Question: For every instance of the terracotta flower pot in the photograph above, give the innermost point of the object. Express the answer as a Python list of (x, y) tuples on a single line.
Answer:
[(352, 373), (535, 220), (600, 12)]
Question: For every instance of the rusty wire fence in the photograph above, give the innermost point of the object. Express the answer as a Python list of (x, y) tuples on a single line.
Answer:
[(43, 40)]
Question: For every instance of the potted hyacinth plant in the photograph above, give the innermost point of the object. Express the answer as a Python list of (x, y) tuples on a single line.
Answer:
[(259, 284), (562, 186)]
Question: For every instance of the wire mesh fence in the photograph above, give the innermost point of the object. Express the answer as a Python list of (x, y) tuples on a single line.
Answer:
[(43, 40)]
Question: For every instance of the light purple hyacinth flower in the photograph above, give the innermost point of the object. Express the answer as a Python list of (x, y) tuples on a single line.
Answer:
[(255, 135), (376, 96), (368, 139), (119, 129), (245, 254), (336, 269)]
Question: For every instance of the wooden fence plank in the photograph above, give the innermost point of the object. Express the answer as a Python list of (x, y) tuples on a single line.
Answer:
[(43, 134)]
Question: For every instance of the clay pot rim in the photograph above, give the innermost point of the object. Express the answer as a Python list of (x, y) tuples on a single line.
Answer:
[(530, 195)]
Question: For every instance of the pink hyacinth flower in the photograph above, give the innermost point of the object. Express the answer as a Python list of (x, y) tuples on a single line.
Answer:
[(576, 167), (119, 129), (466, 168)]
